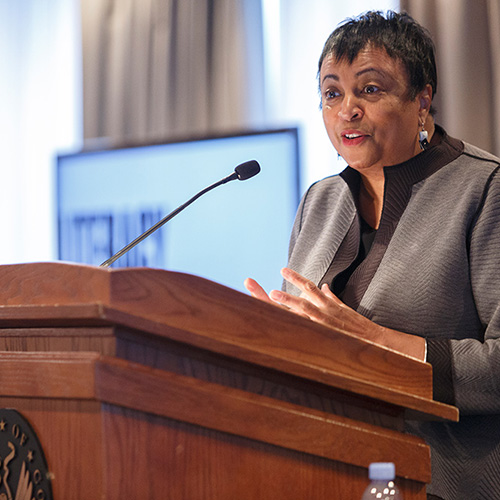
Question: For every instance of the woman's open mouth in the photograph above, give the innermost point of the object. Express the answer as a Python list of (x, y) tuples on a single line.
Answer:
[(352, 138)]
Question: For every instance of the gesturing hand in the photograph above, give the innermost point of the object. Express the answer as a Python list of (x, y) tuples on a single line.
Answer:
[(322, 306)]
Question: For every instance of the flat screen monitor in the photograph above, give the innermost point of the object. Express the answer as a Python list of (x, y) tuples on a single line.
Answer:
[(107, 197)]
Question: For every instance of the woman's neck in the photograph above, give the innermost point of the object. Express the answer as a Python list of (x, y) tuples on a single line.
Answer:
[(371, 198), (371, 193)]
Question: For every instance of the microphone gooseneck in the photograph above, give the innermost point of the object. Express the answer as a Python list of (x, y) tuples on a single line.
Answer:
[(242, 172)]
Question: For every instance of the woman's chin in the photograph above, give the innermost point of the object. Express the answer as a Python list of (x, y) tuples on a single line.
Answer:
[(361, 164)]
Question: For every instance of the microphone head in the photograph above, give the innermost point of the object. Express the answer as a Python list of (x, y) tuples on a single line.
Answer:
[(247, 170)]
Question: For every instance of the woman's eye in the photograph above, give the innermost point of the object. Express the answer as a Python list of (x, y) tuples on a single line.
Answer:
[(331, 94), (371, 89)]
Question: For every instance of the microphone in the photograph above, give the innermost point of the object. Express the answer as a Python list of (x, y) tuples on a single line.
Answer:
[(242, 172), (246, 170)]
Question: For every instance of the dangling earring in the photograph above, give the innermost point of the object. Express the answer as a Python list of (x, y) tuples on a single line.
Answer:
[(422, 137)]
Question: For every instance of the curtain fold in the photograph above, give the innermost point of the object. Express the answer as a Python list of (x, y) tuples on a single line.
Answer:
[(165, 68), (467, 38)]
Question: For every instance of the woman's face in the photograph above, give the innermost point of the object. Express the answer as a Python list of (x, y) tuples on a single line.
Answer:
[(367, 112)]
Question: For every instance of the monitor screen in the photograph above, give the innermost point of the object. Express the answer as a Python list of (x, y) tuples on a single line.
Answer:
[(106, 198)]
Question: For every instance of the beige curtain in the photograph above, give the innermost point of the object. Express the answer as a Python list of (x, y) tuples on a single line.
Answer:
[(467, 38), (154, 69)]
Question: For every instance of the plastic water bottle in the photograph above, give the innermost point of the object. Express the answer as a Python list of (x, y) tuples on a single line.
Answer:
[(382, 486)]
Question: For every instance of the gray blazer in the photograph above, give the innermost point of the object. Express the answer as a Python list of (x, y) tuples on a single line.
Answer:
[(433, 271)]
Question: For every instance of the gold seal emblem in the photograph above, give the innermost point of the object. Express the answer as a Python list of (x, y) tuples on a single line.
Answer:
[(23, 469)]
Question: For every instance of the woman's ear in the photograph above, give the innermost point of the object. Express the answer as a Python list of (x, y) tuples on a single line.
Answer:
[(425, 99)]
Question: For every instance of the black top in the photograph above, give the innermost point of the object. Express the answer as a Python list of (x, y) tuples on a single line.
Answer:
[(339, 282)]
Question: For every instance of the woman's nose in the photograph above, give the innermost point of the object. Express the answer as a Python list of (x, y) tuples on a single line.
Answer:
[(350, 109)]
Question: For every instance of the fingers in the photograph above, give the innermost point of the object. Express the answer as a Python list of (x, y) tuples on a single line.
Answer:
[(313, 303), (317, 304), (298, 305), (256, 290), (309, 301), (325, 289), (307, 287)]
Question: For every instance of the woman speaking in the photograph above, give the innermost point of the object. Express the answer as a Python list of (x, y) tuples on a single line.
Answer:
[(403, 247)]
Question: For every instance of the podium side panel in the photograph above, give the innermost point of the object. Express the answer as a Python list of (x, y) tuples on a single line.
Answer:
[(160, 458)]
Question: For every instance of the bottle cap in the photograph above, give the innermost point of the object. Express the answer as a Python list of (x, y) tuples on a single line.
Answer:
[(382, 471)]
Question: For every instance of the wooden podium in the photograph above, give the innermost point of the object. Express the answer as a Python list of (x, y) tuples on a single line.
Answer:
[(148, 384)]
